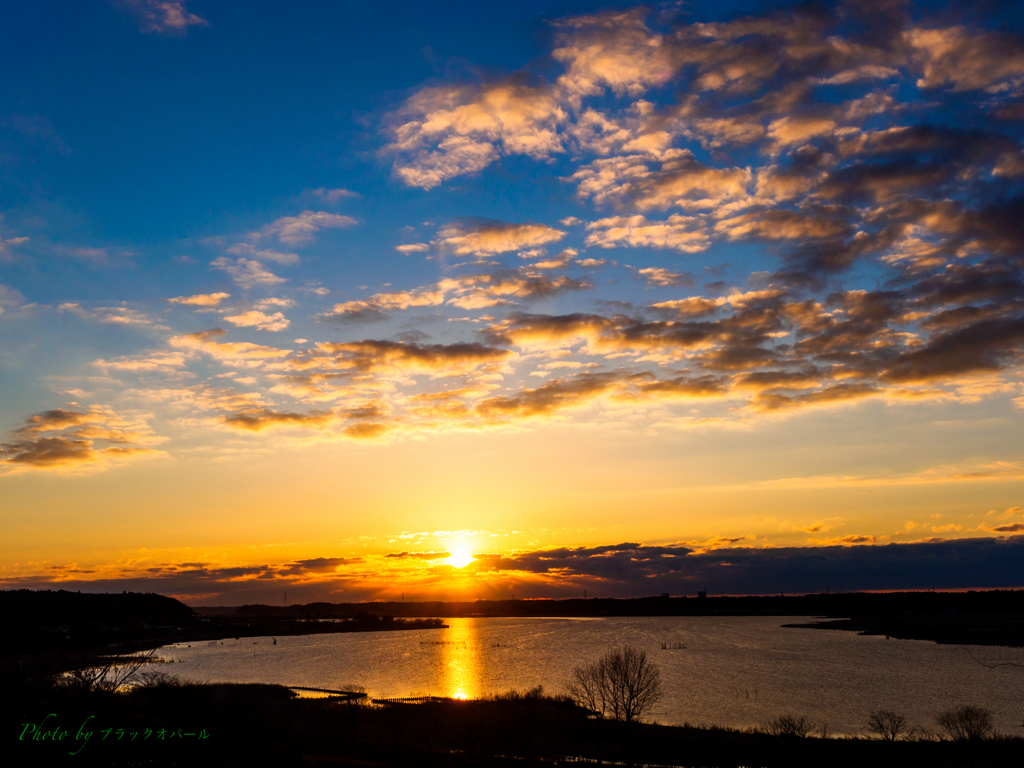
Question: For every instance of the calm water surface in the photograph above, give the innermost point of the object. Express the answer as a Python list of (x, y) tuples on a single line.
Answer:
[(735, 671)]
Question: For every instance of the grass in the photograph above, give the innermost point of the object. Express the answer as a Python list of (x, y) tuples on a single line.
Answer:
[(268, 725)]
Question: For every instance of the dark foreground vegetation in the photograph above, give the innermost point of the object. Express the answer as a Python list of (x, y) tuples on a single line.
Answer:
[(263, 725)]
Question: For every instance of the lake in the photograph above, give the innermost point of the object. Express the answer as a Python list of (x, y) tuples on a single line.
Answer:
[(734, 671)]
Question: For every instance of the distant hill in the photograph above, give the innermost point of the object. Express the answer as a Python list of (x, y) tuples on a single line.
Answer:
[(24, 608)]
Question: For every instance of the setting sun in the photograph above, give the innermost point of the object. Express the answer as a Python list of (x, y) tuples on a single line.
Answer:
[(460, 558)]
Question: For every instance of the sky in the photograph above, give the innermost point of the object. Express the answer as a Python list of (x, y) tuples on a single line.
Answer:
[(459, 300)]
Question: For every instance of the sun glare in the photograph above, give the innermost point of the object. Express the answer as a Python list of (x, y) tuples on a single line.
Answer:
[(460, 558)]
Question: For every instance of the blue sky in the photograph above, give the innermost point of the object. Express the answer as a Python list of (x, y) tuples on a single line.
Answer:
[(503, 274)]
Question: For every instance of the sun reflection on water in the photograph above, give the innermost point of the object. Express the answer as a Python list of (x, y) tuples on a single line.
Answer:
[(461, 662)]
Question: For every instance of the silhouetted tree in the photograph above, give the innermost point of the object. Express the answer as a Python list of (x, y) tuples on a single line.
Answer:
[(966, 723), (114, 673), (789, 725), (887, 724), (622, 685)]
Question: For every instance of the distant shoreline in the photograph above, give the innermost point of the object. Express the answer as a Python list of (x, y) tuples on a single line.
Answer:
[(287, 628), (944, 630), (72, 623), (994, 617)]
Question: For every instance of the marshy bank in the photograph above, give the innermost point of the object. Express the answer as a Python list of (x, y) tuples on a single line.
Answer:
[(166, 723)]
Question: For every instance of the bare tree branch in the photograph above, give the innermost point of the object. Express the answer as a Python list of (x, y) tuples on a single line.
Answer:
[(623, 684)]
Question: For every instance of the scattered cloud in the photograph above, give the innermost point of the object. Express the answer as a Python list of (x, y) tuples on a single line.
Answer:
[(248, 249), (260, 419), (206, 341), (11, 301), (657, 276), (1008, 528), (33, 129), (301, 229), (486, 237), (471, 291), (332, 195), (680, 233), (448, 131), (379, 356), (259, 320), (164, 17), (246, 273), (963, 59), (64, 439), (145, 363), (108, 315), (413, 248), (200, 299)]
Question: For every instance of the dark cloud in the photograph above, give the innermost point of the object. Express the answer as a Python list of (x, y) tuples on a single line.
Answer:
[(773, 401), (58, 418), (259, 419), (354, 312), (1013, 111), (316, 565), (381, 355), (367, 430), (861, 335), (375, 410), (762, 380), (989, 345), (629, 570), (684, 387), (550, 397), (412, 337), (418, 555), (48, 451), (785, 225), (316, 577), (86, 438), (989, 280)]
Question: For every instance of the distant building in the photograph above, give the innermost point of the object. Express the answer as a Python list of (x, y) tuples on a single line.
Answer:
[(703, 593)]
